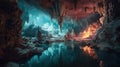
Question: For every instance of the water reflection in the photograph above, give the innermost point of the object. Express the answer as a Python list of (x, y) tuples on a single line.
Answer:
[(70, 55)]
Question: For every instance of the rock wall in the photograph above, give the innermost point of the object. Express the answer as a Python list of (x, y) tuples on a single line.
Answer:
[(10, 25), (110, 32), (112, 8)]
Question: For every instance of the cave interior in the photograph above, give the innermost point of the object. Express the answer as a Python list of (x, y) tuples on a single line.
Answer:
[(59, 33)]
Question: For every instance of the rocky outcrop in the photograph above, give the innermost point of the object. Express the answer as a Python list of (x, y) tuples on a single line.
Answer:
[(112, 8), (28, 48), (12, 46), (110, 33), (10, 23), (10, 29)]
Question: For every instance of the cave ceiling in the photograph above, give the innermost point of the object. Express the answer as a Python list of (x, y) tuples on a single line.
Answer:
[(59, 9)]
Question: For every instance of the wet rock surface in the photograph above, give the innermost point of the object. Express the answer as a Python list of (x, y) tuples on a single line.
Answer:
[(25, 51), (109, 35), (10, 29)]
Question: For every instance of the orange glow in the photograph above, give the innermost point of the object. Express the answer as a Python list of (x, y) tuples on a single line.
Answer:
[(90, 51), (89, 32)]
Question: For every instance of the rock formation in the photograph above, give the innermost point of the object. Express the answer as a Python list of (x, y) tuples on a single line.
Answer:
[(10, 25)]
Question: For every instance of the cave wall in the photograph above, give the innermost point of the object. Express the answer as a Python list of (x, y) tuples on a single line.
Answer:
[(110, 33), (10, 24), (112, 8)]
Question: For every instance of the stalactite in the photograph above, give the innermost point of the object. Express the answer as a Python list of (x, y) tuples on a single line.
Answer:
[(75, 4), (58, 12)]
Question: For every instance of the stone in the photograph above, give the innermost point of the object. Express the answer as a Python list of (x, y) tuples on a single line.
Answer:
[(12, 64), (108, 38)]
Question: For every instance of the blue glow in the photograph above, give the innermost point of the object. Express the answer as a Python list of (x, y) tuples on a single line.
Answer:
[(51, 56), (39, 17)]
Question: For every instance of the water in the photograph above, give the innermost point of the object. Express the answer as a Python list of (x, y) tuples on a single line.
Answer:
[(65, 55)]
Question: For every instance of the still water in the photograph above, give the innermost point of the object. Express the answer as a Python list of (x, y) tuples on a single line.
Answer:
[(70, 55)]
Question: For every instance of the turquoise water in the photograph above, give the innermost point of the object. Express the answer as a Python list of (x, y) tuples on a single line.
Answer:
[(59, 55), (67, 55)]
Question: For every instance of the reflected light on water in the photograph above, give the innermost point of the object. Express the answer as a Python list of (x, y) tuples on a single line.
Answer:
[(90, 51)]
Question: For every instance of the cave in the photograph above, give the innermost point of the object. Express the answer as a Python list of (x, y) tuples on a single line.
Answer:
[(59, 33)]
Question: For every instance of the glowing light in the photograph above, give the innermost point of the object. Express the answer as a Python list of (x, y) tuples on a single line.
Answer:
[(48, 27), (90, 51), (90, 32), (101, 20)]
